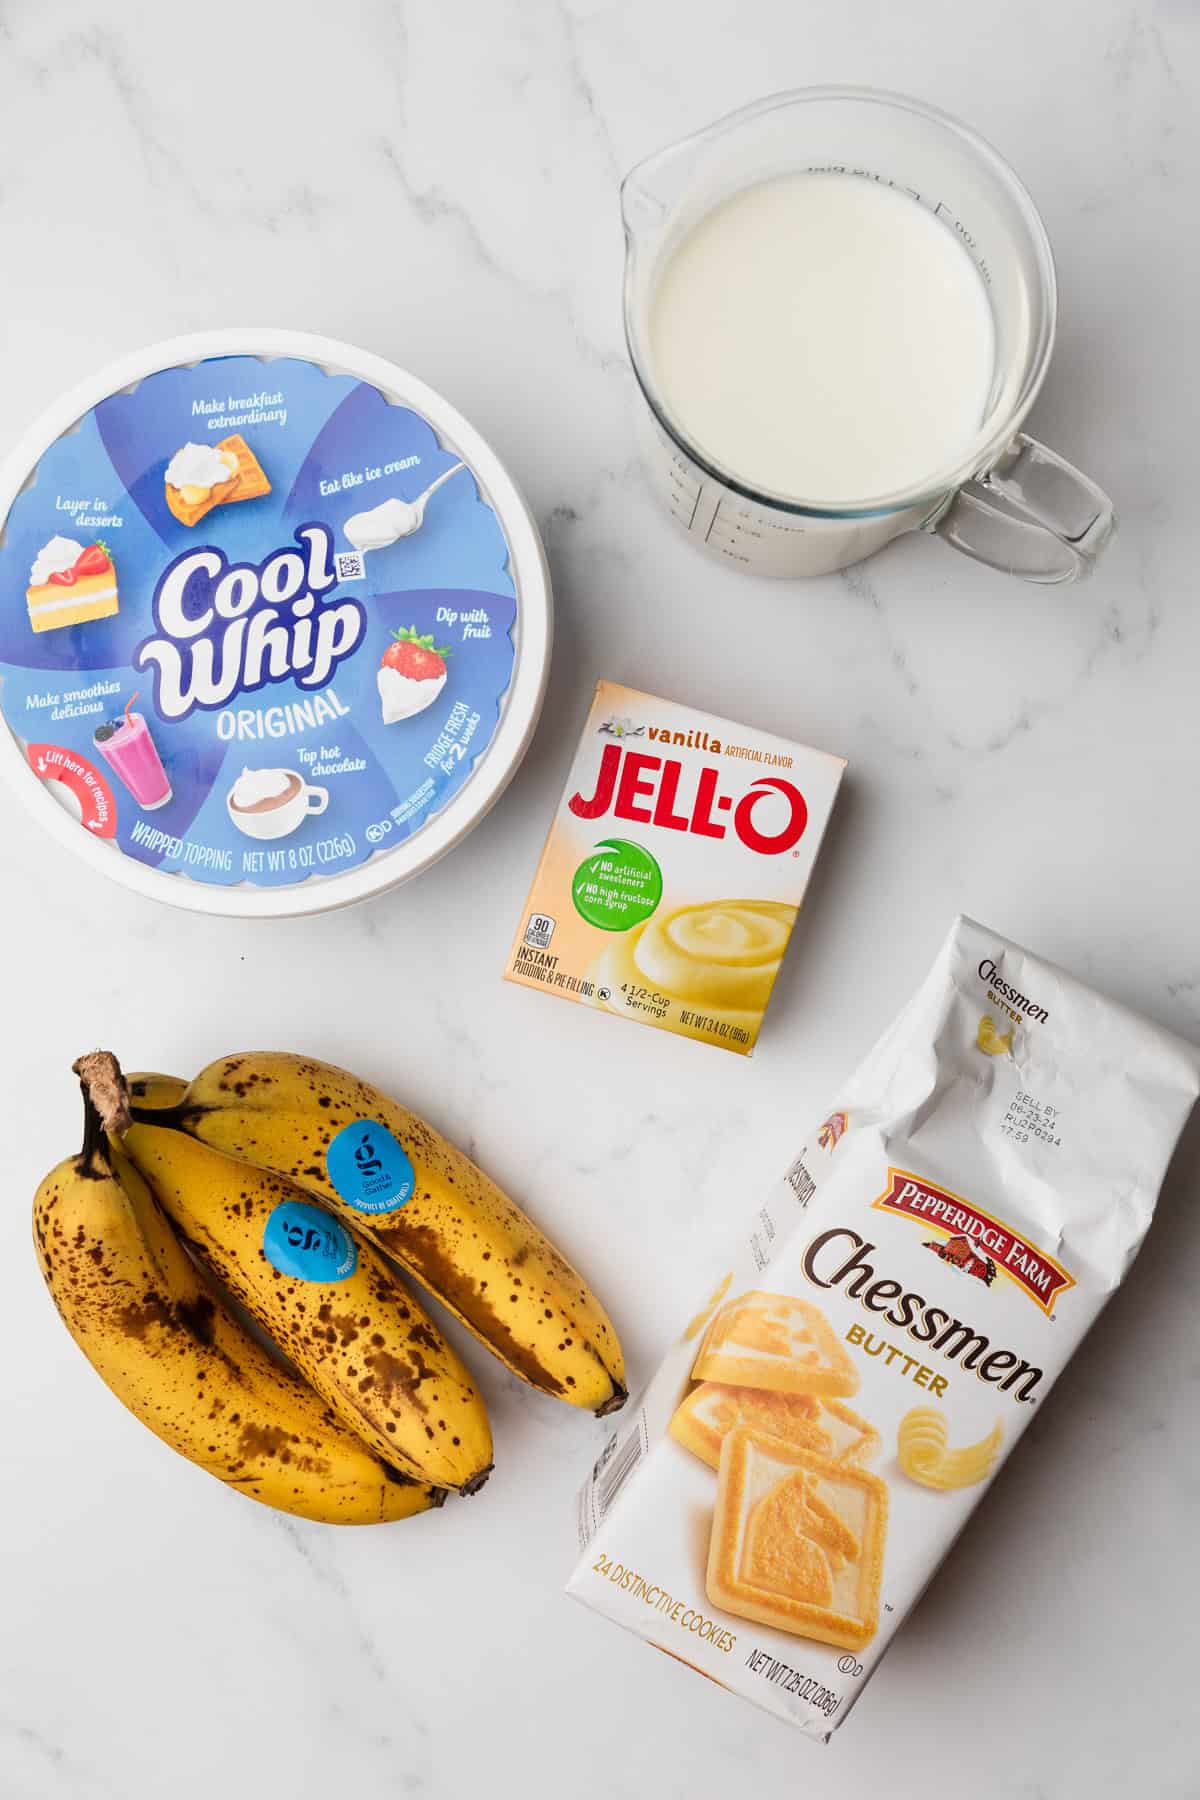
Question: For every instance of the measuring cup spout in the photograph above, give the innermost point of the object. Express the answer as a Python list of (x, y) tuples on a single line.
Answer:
[(658, 184), (642, 210)]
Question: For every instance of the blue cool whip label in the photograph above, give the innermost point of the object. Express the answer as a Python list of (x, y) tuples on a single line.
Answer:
[(256, 621)]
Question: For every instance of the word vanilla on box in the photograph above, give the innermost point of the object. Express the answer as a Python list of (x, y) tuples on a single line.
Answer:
[(886, 1328), (674, 869)]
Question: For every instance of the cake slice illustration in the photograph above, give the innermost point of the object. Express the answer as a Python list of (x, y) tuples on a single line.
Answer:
[(797, 1541), (201, 476), (70, 584)]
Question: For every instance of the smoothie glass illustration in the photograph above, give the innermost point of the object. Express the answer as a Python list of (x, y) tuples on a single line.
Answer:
[(128, 748)]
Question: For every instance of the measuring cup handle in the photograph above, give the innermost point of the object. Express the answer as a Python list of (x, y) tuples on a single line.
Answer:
[(1032, 515)]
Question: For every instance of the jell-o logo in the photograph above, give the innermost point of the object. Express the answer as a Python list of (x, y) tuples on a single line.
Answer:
[(646, 790)]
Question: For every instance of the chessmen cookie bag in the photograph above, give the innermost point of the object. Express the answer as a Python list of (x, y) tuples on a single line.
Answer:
[(885, 1329)]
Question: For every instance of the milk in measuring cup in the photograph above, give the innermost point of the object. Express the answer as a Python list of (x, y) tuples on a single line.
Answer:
[(823, 337)]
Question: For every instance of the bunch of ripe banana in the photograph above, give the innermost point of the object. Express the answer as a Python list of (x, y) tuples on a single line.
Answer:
[(293, 1187)]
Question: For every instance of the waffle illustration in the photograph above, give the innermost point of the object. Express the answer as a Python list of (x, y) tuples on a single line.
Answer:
[(826, 1427), (247, 481), (775, 1341), (797, 1541)]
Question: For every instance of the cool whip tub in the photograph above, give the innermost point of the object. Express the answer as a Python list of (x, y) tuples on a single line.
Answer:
[(674, 869), (323, 708)]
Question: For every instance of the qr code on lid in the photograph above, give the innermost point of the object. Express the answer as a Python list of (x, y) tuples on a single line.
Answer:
[(350, 565), (539, 931)]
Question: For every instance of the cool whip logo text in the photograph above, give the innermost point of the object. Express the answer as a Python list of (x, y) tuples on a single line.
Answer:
[(650, 790), (226, 628)]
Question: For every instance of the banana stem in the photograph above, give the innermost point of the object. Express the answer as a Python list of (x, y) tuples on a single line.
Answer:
[(105, 1107), (93, 1160)]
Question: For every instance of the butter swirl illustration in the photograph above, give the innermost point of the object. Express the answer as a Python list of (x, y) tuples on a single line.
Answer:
[(923, 1452), (720, 957)]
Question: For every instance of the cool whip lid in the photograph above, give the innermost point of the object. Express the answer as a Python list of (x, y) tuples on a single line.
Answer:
[(275, 624)]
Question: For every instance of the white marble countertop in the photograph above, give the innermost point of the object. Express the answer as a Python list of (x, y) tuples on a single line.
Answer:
[(439, 185)]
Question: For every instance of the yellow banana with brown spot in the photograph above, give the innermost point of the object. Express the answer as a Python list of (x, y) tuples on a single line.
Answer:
[(325, 1296), (157, 1335), (396, 1180)]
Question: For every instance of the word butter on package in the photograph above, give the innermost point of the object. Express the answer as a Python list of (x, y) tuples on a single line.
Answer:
[(674, 869), (894, 1315)]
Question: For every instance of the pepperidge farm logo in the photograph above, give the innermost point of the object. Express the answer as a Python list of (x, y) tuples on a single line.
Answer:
[(972, 1241)]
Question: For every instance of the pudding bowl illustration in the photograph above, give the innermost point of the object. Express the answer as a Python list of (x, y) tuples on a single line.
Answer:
[(272, 803)]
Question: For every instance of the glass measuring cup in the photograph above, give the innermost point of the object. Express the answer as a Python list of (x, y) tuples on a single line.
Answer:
[(1008, 501)]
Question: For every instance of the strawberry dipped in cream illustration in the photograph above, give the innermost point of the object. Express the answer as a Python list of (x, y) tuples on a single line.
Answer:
[(411, 675)]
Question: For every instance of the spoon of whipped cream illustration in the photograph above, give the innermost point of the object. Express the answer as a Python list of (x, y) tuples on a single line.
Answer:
[(392, 520)]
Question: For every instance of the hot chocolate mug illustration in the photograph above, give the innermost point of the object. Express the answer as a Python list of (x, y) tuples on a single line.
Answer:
[(272, 803)]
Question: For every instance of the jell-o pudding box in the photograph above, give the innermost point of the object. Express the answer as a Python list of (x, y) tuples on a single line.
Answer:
[(674, 869)]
